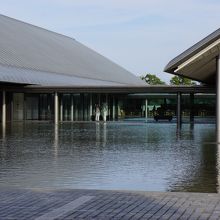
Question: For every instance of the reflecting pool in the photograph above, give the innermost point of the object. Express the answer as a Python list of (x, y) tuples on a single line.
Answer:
[(115, 155)]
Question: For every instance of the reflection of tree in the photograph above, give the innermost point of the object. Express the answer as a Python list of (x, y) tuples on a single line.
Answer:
[(201, 174)]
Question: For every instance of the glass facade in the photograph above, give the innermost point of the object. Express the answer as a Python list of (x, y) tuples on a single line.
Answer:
[(134, 106), (81, 106)]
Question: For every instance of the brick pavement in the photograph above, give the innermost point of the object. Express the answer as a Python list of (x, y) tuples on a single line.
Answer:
[(51, 204)]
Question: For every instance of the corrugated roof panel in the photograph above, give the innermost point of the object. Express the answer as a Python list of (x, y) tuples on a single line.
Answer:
[(25, 46), (25, 76)]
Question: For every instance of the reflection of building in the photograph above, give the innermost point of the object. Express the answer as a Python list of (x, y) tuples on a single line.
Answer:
[(48, 76)]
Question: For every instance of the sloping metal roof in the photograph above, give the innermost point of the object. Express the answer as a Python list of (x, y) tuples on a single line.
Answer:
[(33, 55), (28, 76), (203, 71)]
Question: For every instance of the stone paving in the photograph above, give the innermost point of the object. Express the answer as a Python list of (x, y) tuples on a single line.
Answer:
[(41, 204)]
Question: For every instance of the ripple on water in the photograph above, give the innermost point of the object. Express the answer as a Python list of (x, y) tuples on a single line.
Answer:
[(133, 156)]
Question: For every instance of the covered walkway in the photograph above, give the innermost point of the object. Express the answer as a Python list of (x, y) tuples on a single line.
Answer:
[(78, 103), (201, 62)]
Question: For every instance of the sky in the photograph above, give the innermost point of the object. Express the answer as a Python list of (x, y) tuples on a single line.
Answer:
[(140, 35)]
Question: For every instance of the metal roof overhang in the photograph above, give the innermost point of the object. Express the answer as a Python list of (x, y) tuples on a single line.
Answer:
[(199, 61), (201, 66), (128, 89), (11, 74)]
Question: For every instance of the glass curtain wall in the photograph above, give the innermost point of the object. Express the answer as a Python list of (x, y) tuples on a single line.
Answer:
[(31, 106), (81, 107), (66, 102), (75, 107), (46, 106)]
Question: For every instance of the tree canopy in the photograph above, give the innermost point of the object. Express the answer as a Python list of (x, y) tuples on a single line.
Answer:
[(152, 79), (179, 80)]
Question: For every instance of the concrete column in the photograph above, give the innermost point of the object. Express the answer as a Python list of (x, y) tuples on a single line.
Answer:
[(191, 108), (56, 108), (61, 108), (72, 112), (218, 99), (113, 108), (179, 116), (3, 108), (146, 106)]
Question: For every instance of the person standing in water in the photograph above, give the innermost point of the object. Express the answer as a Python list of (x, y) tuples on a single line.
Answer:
[(97, 113)]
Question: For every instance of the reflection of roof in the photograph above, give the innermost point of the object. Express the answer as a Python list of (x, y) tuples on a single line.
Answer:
[(33, 55), (197, 62)]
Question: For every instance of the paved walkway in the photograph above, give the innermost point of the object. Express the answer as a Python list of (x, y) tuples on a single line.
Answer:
[(93, 204)]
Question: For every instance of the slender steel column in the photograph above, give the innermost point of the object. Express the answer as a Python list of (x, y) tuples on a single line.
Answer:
[(113, 108), (179, 116), (72, 117), (90, 107), (146, 106), (191, 108), (61, 108), (218, 117), (56, 108), (76, 112), (218, 99), (3, 108)]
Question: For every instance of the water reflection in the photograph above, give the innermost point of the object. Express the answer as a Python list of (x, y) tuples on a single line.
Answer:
[(3, 131), (98, 135), (218, 166), (133, 156), (104, 135), (56, 139), (201, 174)]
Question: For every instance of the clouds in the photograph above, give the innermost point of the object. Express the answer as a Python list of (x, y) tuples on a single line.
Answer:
[(141, 35)]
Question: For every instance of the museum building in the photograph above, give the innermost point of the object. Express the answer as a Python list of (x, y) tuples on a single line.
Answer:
[(48, 76)]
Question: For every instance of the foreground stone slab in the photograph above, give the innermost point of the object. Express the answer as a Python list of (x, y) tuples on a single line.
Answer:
[(56, 213), (51, 204)]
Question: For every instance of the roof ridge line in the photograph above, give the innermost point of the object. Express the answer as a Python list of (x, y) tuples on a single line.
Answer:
[(71, 38), (36, 26)]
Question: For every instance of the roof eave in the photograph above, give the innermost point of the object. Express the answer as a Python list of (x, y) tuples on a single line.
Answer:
[(174, 63)]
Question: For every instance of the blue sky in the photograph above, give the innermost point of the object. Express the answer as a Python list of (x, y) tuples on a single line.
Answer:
[(140, 35)]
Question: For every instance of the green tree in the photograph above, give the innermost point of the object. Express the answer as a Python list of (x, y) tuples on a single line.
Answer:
[(179, 80), (152, 79)]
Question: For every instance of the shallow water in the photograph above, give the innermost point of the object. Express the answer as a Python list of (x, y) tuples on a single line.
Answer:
[(128, 155)]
